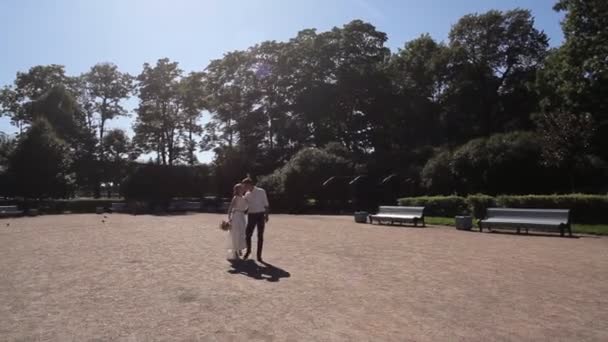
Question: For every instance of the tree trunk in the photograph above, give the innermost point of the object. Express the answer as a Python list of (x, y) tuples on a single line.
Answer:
[(170, 148), (102, 122), (163, 150), (190, 145), (99, 177), (230, 133), (97, 186), (270, 143), (101, 131)]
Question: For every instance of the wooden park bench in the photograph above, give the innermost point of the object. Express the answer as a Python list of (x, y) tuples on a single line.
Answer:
[(119, 207), (538, 219), (10, 210), (400, 215), (184, 206), (223, 207)]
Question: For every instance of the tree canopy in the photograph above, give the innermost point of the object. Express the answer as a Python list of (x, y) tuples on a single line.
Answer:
[(489, 106)]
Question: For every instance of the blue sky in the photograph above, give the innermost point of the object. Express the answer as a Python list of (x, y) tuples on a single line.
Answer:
[(80, 33)]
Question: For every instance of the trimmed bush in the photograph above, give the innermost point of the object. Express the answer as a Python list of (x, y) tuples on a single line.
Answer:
[(75, 205), (584, 208), (59, 206), (505, 163), (479, 203), (160, 183), (302, 178), (39, 167), (445, 206), (437, 176)]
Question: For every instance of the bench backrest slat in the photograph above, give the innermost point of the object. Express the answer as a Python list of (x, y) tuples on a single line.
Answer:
[(9, 208), (184, 204), (558, 215), (414, 211)]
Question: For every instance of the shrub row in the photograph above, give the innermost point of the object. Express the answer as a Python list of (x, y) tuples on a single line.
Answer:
[(89, 205), (444, 206), (58, 206), (584, 208), (75, 205), (160, 183)]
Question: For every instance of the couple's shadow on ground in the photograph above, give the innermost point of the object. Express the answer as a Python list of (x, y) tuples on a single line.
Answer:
[(265, 271)]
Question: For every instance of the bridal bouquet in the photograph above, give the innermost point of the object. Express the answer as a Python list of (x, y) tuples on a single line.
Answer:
[(225, 225)]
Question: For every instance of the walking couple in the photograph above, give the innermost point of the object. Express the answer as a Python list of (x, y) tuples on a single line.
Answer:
[(251, 200)]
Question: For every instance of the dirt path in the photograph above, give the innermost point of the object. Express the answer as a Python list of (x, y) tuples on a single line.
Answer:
[(146, 278)]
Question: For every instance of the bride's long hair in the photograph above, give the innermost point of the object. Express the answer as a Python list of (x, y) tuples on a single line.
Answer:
[(237, 189)]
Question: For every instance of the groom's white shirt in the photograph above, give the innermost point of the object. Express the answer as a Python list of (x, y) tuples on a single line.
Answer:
[(257, 201)]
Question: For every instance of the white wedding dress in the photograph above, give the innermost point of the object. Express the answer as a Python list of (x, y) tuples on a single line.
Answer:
[(239, 224)]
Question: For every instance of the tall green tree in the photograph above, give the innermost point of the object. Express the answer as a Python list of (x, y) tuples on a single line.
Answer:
[(40, 165), (566, 140), (229, 83), (575, 79), (239, 125), (192, 97), (117, 145), (418, 75), (494, 56), (169, 105), (28, 87), (104, 88), (7, 144), (118, 154), (353, 58), (272, 99), (59, 108)]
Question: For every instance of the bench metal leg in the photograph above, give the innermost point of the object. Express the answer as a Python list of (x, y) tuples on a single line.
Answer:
[(569, 230), (480, 226), (561, 230)]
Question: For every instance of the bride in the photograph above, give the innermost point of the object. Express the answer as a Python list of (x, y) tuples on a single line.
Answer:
[(236, 216)]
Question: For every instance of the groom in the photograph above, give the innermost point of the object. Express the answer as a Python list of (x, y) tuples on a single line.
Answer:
[(257, 215)]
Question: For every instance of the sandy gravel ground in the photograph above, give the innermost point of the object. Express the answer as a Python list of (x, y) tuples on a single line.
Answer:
[(147, 278)]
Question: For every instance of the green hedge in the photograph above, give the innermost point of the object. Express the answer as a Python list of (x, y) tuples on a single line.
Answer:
[(445, 206), (75, 205), (160, 183), (58, 206), (479, 203), (584, 208)]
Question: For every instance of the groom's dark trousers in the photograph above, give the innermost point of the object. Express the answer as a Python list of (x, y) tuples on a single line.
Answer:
[(253, 220)]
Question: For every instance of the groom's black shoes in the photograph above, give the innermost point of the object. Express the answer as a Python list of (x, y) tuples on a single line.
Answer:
[(246, 256)]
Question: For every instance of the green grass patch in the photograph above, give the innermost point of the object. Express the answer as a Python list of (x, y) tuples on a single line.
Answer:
[(441, 221), (595, 229)]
